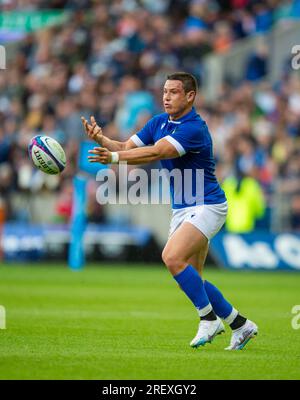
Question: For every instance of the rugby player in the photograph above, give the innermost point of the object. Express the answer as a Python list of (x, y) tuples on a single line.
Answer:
[(180, 139)]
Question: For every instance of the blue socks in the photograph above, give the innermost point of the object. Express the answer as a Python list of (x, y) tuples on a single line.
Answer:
[(220, 305), (205, 296), (192, 285)]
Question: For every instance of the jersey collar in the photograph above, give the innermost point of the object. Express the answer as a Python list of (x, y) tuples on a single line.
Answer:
[(187, 116)]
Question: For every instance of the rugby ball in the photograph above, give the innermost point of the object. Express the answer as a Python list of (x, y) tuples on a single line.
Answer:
[(47, 154)]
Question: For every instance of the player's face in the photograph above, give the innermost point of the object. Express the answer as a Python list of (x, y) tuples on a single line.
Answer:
[(175, 100)]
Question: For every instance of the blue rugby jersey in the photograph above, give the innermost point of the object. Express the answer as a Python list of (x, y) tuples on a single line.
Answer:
[(191, 137)]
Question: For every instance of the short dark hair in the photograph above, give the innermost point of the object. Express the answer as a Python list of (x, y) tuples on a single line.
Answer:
[(189, 82)]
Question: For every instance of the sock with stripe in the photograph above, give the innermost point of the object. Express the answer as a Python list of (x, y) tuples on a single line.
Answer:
[(191, 283), (238, 322), (220, 305)]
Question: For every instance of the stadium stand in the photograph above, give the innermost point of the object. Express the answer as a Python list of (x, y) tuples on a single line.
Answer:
[(109, 60)]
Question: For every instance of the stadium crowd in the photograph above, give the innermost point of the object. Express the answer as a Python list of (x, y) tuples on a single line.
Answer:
[(110, 60)]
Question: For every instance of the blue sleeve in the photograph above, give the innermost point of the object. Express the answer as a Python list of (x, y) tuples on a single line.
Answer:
[(145, 136), (190, 137)]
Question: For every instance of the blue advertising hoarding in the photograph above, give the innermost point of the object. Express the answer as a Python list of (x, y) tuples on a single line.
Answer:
[(33, 243), (257, 250)]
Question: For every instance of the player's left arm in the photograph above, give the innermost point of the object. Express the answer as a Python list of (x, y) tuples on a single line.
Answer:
[(163, 149)]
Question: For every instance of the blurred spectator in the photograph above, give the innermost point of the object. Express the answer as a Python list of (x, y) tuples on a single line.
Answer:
[(95, 211), (223, 37), (290, 187), (246, 202), (6, 179), (64, 203), (257, 64), (132, 102), (263, 16)]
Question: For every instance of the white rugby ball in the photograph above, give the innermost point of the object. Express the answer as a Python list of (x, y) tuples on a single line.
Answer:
[(47, 154)]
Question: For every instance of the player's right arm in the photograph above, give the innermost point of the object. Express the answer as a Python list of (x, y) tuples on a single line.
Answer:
[(94, 132)]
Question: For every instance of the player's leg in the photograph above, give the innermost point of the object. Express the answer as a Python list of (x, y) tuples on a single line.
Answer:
[(221, 306), (242, 328), (198, 260), (209, 219), (186, 242)]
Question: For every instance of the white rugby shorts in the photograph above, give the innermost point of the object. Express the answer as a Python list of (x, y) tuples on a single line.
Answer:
[(208, 218)]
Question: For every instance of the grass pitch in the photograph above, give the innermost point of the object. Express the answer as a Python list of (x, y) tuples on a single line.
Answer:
[(120, 322)]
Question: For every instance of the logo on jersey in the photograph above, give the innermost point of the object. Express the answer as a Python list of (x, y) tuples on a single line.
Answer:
[(162, 125)]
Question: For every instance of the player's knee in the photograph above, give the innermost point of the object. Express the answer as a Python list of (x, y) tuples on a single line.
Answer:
[(172, 262)]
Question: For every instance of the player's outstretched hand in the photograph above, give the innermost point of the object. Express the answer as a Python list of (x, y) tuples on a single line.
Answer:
[(101, 155), (93, 130)]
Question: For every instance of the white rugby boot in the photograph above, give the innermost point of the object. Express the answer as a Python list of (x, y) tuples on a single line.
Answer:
[(207, 331), (241, 336)]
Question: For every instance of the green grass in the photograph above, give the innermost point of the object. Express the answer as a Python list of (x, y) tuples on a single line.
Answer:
[(120, 322)]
